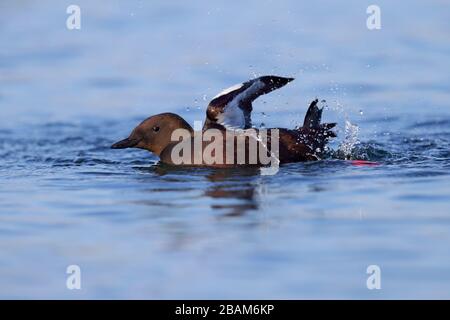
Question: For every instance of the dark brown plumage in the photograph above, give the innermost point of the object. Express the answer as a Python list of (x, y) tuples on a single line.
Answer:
[(230, 114)]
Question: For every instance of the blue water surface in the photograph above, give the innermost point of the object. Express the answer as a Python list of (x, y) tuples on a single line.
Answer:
[(138, 229)]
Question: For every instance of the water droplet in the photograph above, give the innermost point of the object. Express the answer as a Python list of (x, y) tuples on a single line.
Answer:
[(350, 140)]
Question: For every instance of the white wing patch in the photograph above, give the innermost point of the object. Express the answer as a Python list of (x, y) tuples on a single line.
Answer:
[(228, 90), (233, 116)]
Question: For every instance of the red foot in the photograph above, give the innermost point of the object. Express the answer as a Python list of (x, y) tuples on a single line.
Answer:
[(363, 163)]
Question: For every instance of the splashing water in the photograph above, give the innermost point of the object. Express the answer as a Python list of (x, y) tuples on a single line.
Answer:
[(350, 141), (143, 230)]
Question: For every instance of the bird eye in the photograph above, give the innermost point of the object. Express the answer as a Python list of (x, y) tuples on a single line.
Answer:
[(156, 129)]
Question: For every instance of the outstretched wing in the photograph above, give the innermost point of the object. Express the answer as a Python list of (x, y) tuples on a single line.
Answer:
[(233, 106), (313, 116)]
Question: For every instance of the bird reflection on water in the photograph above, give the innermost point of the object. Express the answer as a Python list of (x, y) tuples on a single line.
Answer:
[(234, 191)]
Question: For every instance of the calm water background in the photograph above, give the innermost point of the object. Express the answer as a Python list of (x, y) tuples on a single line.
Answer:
[(141, 230)]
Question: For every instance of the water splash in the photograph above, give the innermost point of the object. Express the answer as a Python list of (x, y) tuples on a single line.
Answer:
[(351, 140)]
